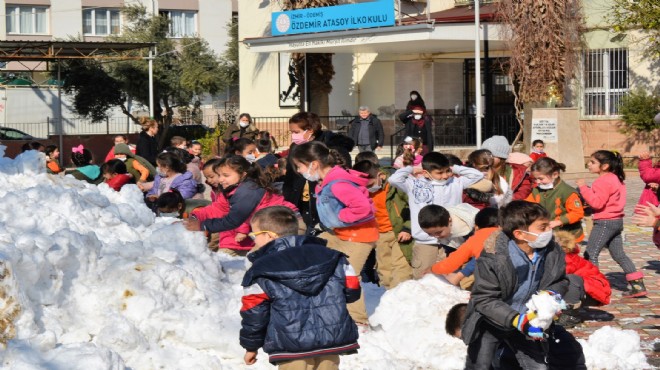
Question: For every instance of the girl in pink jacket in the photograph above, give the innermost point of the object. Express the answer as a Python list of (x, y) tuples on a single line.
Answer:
[(650, 174), (607, 198)]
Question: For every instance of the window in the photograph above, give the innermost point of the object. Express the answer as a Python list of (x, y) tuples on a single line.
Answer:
[(604, 82), (101, 22), (182, 24), (27, 19)]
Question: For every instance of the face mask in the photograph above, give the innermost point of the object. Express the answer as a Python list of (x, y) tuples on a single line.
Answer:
[(439, 182), (418, 116), (229, 189), (546, 186), (413, 97), (309, 177), (299, 138), (542, 239), (123, 159), (538, 151), (169, 214), (408, 147), (251, 158), (244, 124), (161, 173), (374, 188)]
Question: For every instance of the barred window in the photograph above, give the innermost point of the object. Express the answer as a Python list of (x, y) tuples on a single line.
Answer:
[(604, 81)]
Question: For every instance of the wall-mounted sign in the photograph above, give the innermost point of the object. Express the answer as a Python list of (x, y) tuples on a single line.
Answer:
[(544, 129), (378, 13)]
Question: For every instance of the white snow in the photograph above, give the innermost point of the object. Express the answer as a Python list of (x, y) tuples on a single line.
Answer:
[(546, 306), (90, 279)]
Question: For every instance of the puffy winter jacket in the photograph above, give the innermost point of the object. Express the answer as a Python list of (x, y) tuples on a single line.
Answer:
[(595, 283), (184, 183), (649, 173), (294, 302)]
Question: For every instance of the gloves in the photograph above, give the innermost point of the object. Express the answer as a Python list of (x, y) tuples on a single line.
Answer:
[(478, 195), (521, 322)]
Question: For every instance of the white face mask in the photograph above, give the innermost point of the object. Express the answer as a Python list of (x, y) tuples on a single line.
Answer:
[(161, 173), (546, 186), (413, 97), (243, 124), (418, 116), (308, 175), (439, 182), (542, 239), (374, 188), (251, 158), (123, 159), (169, 214)]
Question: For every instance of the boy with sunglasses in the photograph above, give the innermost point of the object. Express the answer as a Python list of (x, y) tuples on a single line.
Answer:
[(295, 295)]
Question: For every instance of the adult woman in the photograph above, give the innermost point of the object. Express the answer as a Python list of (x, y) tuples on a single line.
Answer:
[(419, 125), (306, 127), (243, 128), (147, 145)]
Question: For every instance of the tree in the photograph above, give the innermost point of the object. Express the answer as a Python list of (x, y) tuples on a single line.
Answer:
[(544, 38), (638, 110), (181, 71), (320, 71), (642, 15), (229, 72)]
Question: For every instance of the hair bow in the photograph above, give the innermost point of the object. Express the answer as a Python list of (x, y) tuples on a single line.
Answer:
[(78, 149)]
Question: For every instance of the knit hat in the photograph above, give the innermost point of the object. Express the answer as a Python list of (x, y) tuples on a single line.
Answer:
[(519, 158), (498, 145)]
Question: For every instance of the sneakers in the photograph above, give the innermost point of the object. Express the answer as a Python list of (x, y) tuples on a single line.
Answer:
[(637, 288), (569, 318)]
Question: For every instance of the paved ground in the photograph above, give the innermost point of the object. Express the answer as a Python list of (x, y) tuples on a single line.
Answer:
[(641, 315)]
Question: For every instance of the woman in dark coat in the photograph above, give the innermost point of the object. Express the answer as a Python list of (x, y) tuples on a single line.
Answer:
[(419, 125), (305, 127), (147, 144)]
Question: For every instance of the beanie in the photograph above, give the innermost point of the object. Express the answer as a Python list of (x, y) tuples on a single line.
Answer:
[(498, 145)]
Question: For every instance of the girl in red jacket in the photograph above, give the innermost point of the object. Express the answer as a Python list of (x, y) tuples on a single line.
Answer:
[(115, 174), (650, 174), (243, 190), (607, 197)]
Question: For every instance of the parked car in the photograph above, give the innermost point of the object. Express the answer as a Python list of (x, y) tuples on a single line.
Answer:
[(14, 134)]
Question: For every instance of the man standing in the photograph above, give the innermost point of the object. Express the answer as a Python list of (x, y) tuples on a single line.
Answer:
[(366, 130)]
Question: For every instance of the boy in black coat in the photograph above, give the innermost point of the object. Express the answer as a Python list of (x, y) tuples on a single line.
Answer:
[(295, 295)]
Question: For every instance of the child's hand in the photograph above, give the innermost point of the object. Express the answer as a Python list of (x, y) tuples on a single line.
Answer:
[(192, 224), (644, 155), (580, 182), (454, 278), (650, 216), (250, 357), (240, 237), (404, 237), (555, 223)]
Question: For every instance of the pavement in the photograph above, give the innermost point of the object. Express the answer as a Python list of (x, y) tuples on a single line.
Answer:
[(639, 314)]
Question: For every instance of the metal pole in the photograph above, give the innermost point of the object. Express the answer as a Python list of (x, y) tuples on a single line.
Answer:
[(477, 72), (151, 84), (306, 84), (59, 112)]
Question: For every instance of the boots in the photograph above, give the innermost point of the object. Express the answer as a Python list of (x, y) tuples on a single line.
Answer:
[(569, 317), (637, 288)]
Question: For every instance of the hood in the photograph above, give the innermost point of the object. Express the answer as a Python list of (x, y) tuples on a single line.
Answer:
[(301, 263), (338, 173), (566, 241), (462, 219), (92, 171), (123, 149)]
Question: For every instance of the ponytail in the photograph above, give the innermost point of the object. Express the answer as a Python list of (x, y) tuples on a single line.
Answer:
[(613, 160)]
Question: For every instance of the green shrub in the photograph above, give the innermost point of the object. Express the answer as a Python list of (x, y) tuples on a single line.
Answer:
[(637, 111)]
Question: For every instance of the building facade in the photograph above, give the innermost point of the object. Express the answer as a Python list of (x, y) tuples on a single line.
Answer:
[(430, 49)]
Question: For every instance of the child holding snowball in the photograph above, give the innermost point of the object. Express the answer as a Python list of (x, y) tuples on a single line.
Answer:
[(514, 265)]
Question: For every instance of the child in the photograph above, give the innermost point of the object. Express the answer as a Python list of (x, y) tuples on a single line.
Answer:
[(485, 224), (455, 319), (171, 204), (265, 156), (607, 197), (560, 200), (244, 147), (480, 194), (119, 139), (650, 174), (537, 150), (392, 216), (587, 285), (514, 181), (648, 216), (115, 174), (140, 168), (52, 153), (438, 186), (172, 174), (85, 170), (448, 226), (196, 149), (514, 264), (411, 152), (299, 318), (244, 190), (343, 206), (179, 142)]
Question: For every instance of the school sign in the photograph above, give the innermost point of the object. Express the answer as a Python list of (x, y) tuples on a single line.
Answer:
[(379, 13)]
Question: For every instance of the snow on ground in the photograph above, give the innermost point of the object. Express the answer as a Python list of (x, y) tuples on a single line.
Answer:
[(90, 279)]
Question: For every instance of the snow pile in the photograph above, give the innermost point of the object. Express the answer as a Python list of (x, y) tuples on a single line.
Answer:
[(90, 279), (612, 348)]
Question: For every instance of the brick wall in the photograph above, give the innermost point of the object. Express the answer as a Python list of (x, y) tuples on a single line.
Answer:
[(606, 134)]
